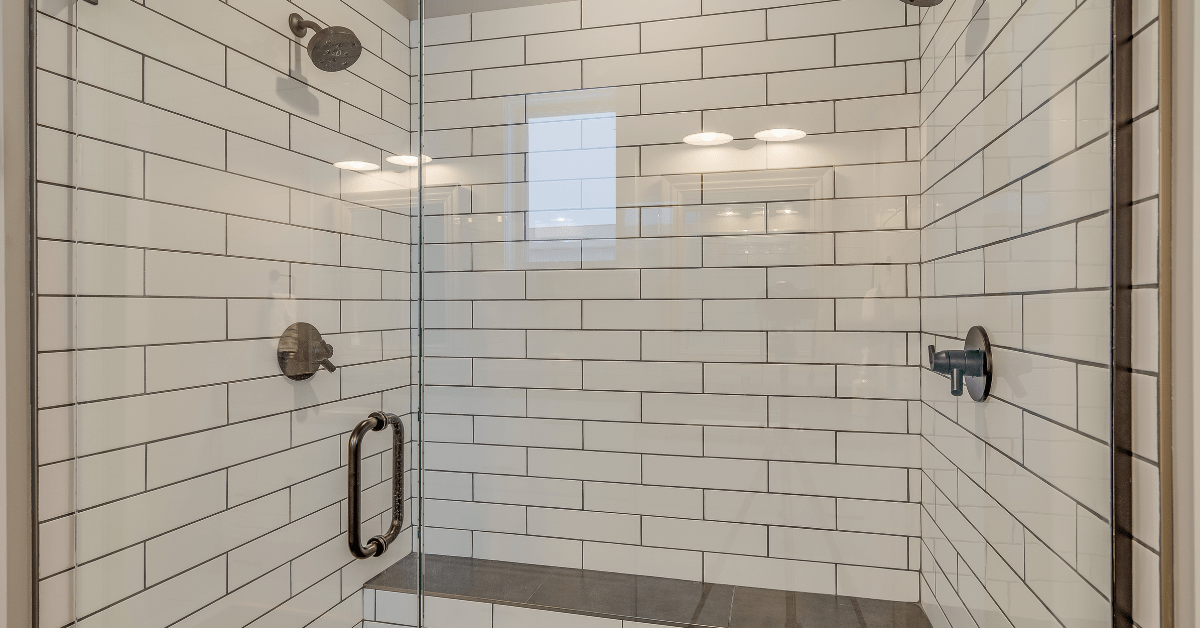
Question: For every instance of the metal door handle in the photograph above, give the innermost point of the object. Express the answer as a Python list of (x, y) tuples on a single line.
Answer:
[(377, 422)]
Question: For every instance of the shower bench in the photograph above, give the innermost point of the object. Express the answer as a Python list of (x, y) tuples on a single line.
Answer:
[(475, 593)]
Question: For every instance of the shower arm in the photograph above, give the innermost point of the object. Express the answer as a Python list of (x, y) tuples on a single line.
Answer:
[(301, 26)]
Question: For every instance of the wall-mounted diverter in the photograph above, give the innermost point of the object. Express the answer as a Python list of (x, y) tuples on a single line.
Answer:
[(302, 352), (971, 367)]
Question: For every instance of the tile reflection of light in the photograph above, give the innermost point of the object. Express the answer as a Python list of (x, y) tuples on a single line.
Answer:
[(408, 160), (356, 165), (708, 139), (780, 135)]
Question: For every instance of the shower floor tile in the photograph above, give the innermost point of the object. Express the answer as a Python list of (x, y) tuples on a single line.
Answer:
[(643, 599)]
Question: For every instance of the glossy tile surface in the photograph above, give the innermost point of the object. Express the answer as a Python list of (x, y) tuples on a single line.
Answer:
[(649, 600)]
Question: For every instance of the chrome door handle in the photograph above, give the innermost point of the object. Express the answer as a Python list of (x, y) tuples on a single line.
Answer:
[(377, 422)]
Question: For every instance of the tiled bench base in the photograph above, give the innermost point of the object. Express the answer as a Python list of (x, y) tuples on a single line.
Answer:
[(472, 593)]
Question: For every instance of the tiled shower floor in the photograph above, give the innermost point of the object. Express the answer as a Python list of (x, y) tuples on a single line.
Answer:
[(640, 598)]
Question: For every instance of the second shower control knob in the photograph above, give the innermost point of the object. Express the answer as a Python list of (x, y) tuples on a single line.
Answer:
[(970, 368), (302, 352)]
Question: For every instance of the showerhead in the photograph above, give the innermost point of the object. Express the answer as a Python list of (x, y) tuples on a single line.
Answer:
[(331, 49), (922, 3)]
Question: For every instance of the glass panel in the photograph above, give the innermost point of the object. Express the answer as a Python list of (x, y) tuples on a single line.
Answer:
[(231, 214), (676, 350)]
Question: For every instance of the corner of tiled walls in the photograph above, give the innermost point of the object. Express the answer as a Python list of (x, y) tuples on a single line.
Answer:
[(721, 384), (1015, 238), (188, 212)]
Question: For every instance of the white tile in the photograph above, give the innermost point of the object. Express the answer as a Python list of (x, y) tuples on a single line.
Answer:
[(837, 348), (643, 376), (587, 345), (892, 44), (640, 499), (837, 281), (582, 44), (589, 526), (585, 465), (734, 410), (668, 346), (769, 573), (527, 549), (888, 584), (882, 79), (181, 549), (585, 404), (180, 183), (768, 314), (760, 444), (583, 284), (636, 438), (676, 65), (769, 379), (529, 492), (605, 12), (643, 315), (528, 432), (528, 373), (705, 535), (643, 561), (710, 30), (705, 473), (547, 77), (120, 524), (802, 478), (804, 20), (528, 20), (769, 56), (715, 93), (875, 550), (180, 458), (196, 98), (769, 250), (168, 602)]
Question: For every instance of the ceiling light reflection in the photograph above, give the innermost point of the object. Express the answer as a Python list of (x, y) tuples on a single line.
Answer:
[(780, 135), (708, 139), (356, 165), (408, 160)]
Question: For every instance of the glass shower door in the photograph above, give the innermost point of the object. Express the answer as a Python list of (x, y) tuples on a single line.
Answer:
[(223, 254)]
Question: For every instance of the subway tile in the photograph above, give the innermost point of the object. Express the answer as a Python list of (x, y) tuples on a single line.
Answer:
[(643, 561), (516, 616), (715, 93), (837, 281), (588, 526), (260, 477), (705, 535), (770, 573), (180, 549), (208, 363), (643, 314), (528, 373), (181, 274), (668, 346), (177, 91), (526, 20), (837, 348), (888, 584), (640, 499), (642, 253), (606, 12), (750, 475), (583, 284), (528, 492), (168, 602), (829, 546), (675, 65), (768, 314), (170, 461), (147, 418), (805, 20), (732, 410), (769, 56), (460, 400), (475, 343), (860, 81), (840, 480), (475, 516), (769, 379), (132, 520), (709, 30), (139, 28), (1036, 262), (146, 224), (547, 77), (769, 250), (887, 450), (770, 509), (585, 465), (587, 345), (760, 444), (876, 46), (643, 376), (180, 183), (636, 438), (585, 404), (582, 44)]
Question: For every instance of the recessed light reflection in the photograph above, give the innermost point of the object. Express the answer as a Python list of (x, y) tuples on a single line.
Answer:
[(356, 165), (708, 139), (408, 160), (780, 135)]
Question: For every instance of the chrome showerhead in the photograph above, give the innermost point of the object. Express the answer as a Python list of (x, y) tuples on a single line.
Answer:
[(331, 49)]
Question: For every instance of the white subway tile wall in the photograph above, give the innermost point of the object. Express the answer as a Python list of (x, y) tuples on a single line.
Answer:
[(656, 358), (186, 186), (1015, 176)]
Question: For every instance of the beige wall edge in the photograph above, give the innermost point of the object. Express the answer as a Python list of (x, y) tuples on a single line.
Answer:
[(18, 528)]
